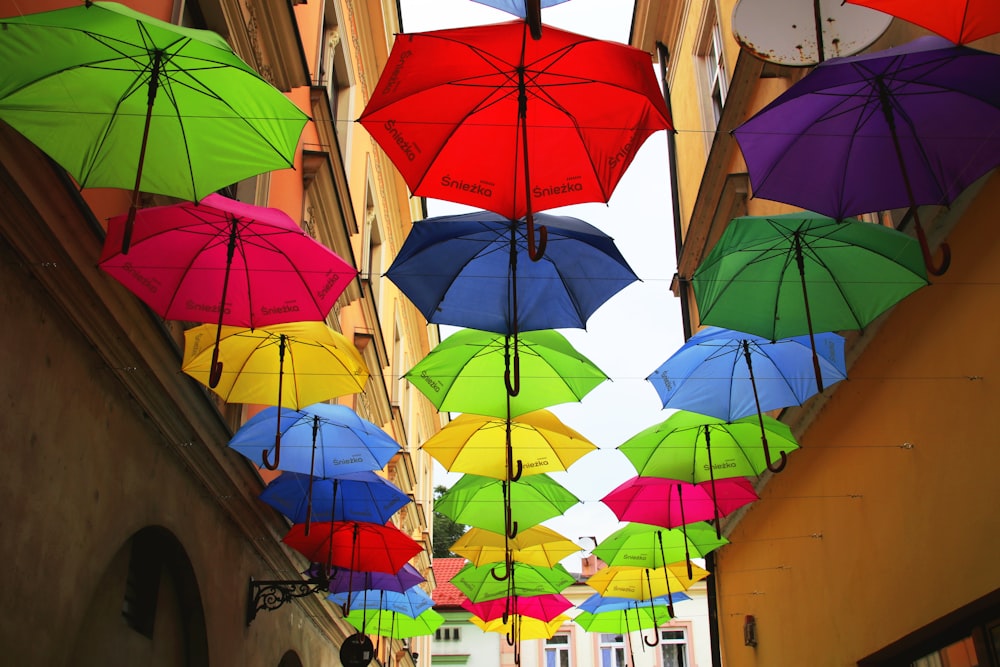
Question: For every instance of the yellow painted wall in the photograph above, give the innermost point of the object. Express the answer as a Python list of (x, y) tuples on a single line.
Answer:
[(920, 539)]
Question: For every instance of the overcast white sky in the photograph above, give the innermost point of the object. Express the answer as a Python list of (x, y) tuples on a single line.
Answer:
[(635, 331)]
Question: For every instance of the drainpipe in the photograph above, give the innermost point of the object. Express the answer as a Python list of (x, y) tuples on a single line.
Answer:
[(663, 55)]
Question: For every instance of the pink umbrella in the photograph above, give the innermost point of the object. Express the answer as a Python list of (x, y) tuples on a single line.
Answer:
[(227, 262), (543, 607), (671, 503)]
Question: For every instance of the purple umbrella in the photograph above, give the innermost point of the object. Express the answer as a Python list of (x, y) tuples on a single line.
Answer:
[(903, 127), (347, 581)]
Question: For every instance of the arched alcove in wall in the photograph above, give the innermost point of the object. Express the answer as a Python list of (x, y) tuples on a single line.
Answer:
[(147, 608), (290, 659)]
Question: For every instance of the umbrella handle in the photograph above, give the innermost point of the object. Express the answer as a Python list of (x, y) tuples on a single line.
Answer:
[(513, 379), (652, 611), (511, 528), (535, 253), (277, 454), (940, 269), (215, 372), (505, 577), (533, 15)]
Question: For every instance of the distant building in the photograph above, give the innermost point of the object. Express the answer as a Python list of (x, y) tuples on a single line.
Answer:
[(458, 641)]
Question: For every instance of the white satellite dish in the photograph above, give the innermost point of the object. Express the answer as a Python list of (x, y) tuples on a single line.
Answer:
[(784, 31)]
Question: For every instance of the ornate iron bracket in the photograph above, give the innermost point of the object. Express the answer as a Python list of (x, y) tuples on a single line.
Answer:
[(270, 594)]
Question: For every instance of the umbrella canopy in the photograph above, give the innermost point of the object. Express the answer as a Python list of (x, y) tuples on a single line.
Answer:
[(521, 626), (649, 546), (485, 116), (291, 365), (476, 444), (479, 584), (353, 544), (472, 270), (544, 608), (623, 621), (344, 580), (730, 374), (854, 271), (539, 545), (411, 602), (961, 21), (321, 440), (670, 502), (914, 124), (227, 262), (479, 501), (357, 496), (696, 448), (393, 624), (465, 371), (640, 583), (597, 603), (108, 86)]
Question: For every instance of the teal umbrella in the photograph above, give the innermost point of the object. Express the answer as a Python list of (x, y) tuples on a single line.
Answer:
[(803, 273), (100, 87), (466, 371)]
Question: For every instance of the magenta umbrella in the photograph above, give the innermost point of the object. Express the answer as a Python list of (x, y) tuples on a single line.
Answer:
[(544, 607), (227, 262)]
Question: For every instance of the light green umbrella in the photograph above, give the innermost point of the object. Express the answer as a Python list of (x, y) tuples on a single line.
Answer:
[(484, 502), (623, 621), (394, 624), (100, 87), (479, 583), (695, 448), (466, 371)]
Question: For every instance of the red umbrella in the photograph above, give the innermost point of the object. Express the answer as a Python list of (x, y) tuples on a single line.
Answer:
[(354, 545), (225, 262), (961, 21), (488, 117), (544, 607), (671, 503)]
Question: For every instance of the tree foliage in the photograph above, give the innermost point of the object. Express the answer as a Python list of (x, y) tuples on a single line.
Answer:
[(446, 531)]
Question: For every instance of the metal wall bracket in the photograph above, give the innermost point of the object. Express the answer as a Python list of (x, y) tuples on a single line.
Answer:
[(270, 594)]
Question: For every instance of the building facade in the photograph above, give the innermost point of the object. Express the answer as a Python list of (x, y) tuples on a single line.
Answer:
[(893, 483), (133, 533)]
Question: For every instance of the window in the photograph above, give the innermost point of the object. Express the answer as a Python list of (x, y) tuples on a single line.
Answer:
[(612, 650), (710, 70), (447, 634), (557, 651), (371, 247), (335, 75), (673, 647)]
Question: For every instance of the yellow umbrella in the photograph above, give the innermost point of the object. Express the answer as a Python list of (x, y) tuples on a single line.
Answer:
[(643, 583), (538, 545), (476, 444), (292, 365), (521, 627)]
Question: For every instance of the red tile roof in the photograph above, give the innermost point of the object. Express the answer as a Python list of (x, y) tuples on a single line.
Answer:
[(446, 594)]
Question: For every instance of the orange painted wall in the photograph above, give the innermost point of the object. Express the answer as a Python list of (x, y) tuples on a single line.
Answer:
[(907, 535)]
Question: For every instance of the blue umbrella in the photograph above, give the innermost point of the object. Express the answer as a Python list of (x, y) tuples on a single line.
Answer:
[(411, 602), (516, 7), (729, 374), (358, 496), (321, 440), (597, 603), (473, 270)]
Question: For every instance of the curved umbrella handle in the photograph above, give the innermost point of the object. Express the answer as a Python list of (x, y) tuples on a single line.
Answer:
[(506, 573), (771, 465), (510, 635), (535, 253), (925, 250), (511, 528), (656, 626), (277, 428), (215, 371), (512, 376)]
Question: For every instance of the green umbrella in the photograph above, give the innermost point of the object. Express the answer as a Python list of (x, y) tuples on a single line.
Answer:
[(482, 502), (465, 373), (697, 448), (647, 546), (803, 273), (99, 87), (479, 584), (625, 621), (394, 624)]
